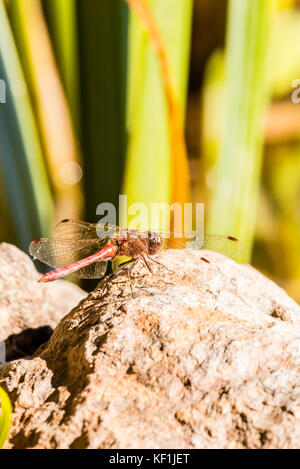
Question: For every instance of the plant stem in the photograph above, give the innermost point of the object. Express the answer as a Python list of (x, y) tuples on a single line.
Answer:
[(238, 171)]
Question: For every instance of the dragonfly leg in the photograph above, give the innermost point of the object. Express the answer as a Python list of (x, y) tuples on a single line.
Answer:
[(129, 276), (132, 263), (162, 265), (120, 268), (159, 263), (150, 269), (111, 276), (147, 264)]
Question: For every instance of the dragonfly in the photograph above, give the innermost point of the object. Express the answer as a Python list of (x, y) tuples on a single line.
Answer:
[(84, 249)]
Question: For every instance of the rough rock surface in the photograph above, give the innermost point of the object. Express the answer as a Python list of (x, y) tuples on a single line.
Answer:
[(206, 356), (25, 303)]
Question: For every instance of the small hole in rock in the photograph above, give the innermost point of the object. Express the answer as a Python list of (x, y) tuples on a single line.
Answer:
[(26, 342)]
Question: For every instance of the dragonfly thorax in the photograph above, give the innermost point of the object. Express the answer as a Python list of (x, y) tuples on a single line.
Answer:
[(139, 243)]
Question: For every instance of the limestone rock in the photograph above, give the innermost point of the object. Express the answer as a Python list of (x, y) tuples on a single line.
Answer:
[(204, 356)]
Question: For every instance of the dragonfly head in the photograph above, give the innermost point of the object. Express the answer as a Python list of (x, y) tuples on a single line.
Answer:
[(154, 242)]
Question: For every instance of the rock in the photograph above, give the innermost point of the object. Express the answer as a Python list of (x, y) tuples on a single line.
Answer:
[(205, 356), (25, 303)]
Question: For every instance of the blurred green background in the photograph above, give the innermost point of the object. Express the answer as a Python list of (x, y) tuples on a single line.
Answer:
[(86, 117)]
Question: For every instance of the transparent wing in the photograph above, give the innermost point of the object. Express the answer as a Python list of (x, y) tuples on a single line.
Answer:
[(61, 252), (76, 229), (95, 270), (226, 245)]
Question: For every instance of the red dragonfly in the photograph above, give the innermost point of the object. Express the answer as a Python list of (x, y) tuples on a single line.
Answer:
[(85, 248)]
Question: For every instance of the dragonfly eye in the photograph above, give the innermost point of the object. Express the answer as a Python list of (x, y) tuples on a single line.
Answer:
[(154, 242)]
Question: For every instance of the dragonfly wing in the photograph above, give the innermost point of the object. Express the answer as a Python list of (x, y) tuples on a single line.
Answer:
[(226, 245), (76, 229), (58, 253), (95, 270)]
